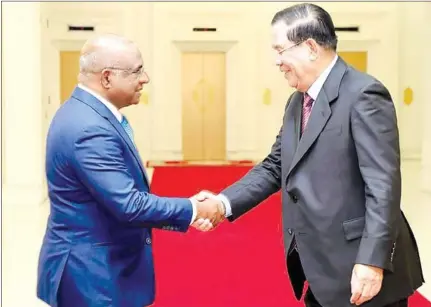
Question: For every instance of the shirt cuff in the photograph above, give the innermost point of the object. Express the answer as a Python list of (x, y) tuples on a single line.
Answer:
[(193, 201), (226, 203)]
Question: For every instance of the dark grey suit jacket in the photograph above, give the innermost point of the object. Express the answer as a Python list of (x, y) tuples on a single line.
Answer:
[(341, 190)]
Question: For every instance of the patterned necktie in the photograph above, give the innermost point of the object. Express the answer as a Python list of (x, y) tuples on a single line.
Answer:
[(306, 111), (127, 128)]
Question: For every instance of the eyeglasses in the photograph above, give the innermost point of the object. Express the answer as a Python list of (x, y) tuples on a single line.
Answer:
[(139, 72), (289, 48)]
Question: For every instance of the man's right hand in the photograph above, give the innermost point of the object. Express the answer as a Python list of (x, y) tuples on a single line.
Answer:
[(210, 211)]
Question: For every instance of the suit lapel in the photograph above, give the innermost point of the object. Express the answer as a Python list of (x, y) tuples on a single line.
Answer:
[(291, 128), (113, 120), (297, 119), (320, 113), (318, 118), (100, 108)]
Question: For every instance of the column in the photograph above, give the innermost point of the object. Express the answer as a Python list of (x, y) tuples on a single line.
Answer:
[(426, 81), (24, 140), (421, 224), (22, 105)]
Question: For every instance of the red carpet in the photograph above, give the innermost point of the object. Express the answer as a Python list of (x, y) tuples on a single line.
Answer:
[(239, 264)]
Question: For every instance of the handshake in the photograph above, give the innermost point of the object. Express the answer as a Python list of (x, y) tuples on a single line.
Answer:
[(210, 211)]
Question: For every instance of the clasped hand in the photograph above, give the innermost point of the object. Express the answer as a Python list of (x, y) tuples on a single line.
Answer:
[(210, 211)]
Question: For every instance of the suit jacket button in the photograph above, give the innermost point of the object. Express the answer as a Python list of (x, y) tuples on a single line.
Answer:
[(294, 198), (148, 241), (289, 230)]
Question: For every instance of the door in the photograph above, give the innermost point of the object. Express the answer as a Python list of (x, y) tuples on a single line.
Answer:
[(204, 106), (357, 59), (69, 70)]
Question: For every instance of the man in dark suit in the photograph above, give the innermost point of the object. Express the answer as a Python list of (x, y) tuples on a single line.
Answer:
[(336, 160), (97, 250)]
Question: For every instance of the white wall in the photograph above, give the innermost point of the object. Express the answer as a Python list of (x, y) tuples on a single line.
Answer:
[(23, 191), (251, 125), (425, 82), (392, 33), (161, 30), (22, 104), (413, 23), (131, 19), (395, 35), (378, 33)]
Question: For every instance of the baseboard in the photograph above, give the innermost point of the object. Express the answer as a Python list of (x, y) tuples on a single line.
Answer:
[(165, 155), (239, 155), (410, 155), (235, 155)]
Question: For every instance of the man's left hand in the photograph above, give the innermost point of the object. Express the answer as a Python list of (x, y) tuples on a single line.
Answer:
[(366, 283), (216, 212)]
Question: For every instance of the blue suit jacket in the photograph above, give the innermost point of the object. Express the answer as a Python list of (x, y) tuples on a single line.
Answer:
[(97, 248)]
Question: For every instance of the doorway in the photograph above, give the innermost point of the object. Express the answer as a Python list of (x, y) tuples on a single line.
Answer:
[(204, 106), (357, 59), (69, 70)]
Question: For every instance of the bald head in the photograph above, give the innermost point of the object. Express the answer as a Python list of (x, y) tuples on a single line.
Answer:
[(112, 66), (106, 51)]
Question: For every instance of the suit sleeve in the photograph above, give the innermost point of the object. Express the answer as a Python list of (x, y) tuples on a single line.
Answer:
[(100, 165), (375, 134), (259, 183)]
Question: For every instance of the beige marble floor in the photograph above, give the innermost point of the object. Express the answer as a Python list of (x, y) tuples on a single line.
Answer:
[(24, 224)]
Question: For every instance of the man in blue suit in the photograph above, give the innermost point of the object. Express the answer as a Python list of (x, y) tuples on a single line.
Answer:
[(97, 248)]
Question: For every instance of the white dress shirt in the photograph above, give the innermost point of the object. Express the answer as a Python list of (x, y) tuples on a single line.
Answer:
[(103, 100), (315, 88), (313, 92), (119, 117)]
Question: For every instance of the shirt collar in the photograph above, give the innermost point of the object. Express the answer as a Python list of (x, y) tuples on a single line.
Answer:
[(103, 100), (315, 88)]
